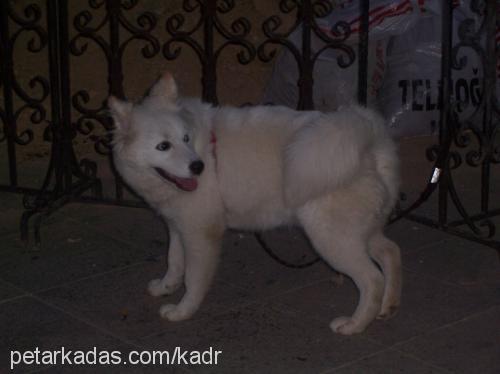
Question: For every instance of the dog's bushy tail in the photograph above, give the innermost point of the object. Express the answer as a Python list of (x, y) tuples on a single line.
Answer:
[(329, 153)]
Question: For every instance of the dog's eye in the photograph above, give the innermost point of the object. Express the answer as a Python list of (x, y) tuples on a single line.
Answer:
[(186, 138), (164, 146)]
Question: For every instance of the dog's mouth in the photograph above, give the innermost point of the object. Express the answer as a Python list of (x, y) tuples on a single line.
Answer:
[(185, 184)]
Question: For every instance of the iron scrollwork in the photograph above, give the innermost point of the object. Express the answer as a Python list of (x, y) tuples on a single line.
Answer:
[(207, 52), (27, 22), (473, 135), (305, 56), (113, 50)]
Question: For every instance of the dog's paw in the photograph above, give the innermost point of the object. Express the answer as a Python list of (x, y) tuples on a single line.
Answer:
[(388, 312), (157, 287), (174, 313), (345, 326)]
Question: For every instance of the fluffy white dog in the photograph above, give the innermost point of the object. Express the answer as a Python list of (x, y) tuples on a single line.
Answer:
[(205, 169)]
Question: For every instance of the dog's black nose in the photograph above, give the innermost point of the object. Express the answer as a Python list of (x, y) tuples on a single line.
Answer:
[(196, 167)]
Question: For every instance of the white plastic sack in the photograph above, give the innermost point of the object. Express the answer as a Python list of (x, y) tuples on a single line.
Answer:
[(335, 86), (410, 97), (404, 65)]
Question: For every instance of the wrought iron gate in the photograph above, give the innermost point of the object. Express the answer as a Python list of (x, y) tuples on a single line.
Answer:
[(51, 100)]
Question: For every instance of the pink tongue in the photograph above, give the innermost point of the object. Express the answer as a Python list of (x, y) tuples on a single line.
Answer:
[(187, 184)]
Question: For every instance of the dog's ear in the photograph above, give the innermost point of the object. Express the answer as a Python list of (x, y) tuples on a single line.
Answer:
[(120, 111), (165, 88)]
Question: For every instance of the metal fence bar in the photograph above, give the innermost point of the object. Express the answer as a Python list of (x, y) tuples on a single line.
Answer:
[(445, 117), (490, 76), (7, 113), (459, 133), (16, 100), (115, 67), (64, 179), (305, 82), (363, 52)]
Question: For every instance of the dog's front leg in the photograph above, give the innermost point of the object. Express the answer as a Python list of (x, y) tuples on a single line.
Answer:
[(202, 248), (175, 273)]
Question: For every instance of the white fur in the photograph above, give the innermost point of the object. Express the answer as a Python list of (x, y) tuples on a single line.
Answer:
[(333, 173)]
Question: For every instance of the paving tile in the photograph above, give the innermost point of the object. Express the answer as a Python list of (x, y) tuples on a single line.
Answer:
[(149, 231), (411, 236), (458, 261), (468, 346), (323, 300), (68, 253), (11, 209), (46, 328), (116, 369), (246, 265), (389, 362), (7, 291), (123, 366), (31, 166), (426, 304), (264, 317), (118, 301), (261, 338)]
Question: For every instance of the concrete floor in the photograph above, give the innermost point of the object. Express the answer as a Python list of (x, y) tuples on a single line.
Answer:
[(86, 288)]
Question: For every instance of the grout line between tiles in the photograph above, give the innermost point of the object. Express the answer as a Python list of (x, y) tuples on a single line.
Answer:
[(73, 281), (83, 320), (444, 326), (117, 238), (360, 359), (13, 298), (333, 369)]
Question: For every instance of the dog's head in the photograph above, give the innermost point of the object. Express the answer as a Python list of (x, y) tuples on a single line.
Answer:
[(156, 137)]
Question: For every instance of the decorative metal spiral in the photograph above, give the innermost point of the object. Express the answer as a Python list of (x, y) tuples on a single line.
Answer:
[(470, 35), (307, 13), (321, 8), (240, 28), (29, 22), (208, 54), (114, 18)]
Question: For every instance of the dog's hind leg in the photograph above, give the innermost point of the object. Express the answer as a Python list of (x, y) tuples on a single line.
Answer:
[(175, 273), (387, 255), (201, 254), (341, 244)]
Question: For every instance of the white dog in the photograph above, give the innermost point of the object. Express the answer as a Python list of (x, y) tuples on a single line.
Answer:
[(205, 169)]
